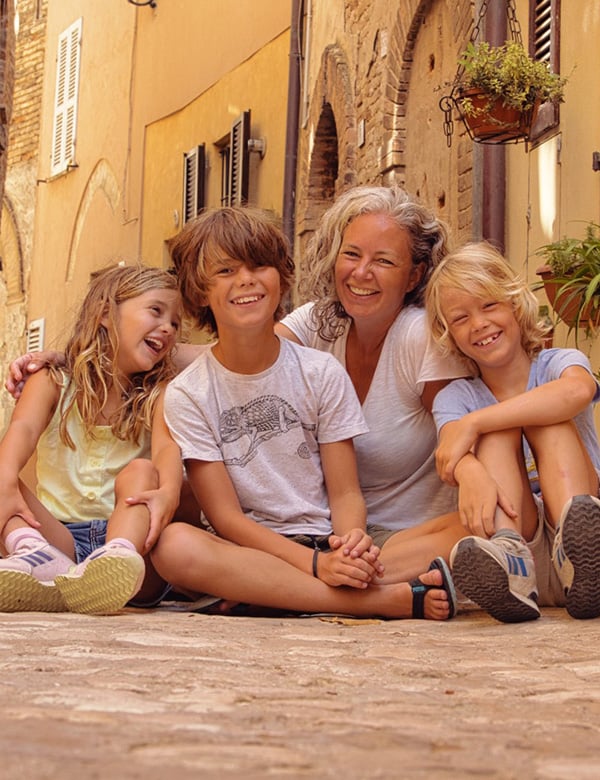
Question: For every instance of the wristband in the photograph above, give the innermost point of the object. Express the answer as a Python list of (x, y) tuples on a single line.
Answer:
[(314, 563)]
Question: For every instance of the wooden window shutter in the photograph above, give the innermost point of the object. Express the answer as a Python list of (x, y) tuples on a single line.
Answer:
[(65, 102), (193, 182), (239, 160), (544, 45)]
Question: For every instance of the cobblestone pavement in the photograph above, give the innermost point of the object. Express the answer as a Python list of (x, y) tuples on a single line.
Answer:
[(163, 694)]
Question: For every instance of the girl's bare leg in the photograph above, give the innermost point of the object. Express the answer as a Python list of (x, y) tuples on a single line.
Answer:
[(132, 522), (195, 561), (50, 528)]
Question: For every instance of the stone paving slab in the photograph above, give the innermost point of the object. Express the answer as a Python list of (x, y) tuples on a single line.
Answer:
[(162, 694)]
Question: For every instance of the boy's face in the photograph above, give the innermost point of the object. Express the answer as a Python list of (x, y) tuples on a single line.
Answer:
[(482, 328), (239, 296)]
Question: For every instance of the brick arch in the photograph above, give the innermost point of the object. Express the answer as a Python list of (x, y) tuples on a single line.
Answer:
[(329, 146), (431, 34), (11, 254)]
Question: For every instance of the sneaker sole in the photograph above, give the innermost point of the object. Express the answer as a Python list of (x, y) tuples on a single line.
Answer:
[(483, 580), (581, 543), (20, 592), (105, 587)]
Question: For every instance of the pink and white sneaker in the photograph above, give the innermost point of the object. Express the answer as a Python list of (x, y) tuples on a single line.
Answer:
[(104, 582)]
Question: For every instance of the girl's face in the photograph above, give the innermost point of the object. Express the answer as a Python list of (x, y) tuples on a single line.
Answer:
[(483, 329), (242, 297), (147, 327), (374, 269)]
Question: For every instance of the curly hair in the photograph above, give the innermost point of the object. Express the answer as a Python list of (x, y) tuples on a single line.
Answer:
[(480, 270), (91, 356), (428, 240), (243, 233)]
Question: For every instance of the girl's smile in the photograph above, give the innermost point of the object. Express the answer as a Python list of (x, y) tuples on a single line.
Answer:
[(147, 328)]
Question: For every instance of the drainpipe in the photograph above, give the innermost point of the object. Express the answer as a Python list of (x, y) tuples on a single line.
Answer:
[(291, 136), (493, 159)]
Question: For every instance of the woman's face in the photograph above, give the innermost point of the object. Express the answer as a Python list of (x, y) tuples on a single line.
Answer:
[(374, 269)]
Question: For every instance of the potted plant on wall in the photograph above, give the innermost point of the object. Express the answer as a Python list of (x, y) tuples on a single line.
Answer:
[(500, 88), (571, 279)]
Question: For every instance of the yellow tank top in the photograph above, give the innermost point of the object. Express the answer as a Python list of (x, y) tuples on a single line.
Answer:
[(77, 485)]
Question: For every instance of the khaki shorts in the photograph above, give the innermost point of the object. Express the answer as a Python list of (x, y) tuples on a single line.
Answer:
[(550, 590), (379, 534)]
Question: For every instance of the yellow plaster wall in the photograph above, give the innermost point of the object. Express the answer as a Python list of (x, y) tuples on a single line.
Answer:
[(258, 84), (552, 191), (139, 66)]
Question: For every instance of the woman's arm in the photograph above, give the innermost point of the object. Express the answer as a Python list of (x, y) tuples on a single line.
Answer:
[(430, 390), (24, 366), (286, 333)]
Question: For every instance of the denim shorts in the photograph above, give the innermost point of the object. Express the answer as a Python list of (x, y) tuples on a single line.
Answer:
[(88, 536)]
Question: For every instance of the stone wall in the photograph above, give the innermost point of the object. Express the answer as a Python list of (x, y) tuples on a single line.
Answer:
[(19, 196), (373, 112)]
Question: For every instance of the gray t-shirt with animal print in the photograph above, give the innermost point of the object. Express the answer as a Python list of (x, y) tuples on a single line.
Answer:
[(267, 428)]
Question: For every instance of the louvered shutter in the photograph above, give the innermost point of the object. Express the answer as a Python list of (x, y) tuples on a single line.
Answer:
[(239, 160), (193, 182), (65, 102)]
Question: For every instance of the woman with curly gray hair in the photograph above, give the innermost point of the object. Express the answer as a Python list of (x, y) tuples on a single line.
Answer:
[(365, 273)]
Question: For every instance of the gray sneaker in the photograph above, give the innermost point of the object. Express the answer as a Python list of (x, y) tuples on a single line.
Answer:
[(576, 555), (498, 574)]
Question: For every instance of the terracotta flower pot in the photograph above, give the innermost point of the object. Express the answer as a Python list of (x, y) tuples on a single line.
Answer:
[(566, 303), (493, 121)]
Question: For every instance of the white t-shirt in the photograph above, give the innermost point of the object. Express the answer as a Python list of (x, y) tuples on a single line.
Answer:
[(396, 464), (267, 428)]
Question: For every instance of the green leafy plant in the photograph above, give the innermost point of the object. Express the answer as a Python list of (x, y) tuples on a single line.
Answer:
[(508, 73), (571, 278)]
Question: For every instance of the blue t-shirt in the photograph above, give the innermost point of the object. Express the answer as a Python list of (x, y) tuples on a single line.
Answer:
[(467, 395)]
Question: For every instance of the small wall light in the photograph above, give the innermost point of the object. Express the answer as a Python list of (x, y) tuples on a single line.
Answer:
[(151, 3)]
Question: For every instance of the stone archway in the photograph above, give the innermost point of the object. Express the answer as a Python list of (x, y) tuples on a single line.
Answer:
[(327, 149), (425, 39)]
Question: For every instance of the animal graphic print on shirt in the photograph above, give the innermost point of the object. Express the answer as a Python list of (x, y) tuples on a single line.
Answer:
[(259, 420)]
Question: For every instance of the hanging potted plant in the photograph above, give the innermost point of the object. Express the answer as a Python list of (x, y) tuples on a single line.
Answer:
[(571, 279), (500, 88)]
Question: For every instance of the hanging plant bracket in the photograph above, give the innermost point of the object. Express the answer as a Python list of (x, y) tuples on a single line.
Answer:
[(472, 107)]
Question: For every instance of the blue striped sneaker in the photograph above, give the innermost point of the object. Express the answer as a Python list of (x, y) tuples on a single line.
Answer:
[(576, 555), (498, 574)]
